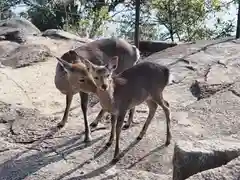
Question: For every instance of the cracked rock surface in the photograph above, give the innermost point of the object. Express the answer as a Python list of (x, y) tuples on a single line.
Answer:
[(230, 171), (204, 100), (197, 156)]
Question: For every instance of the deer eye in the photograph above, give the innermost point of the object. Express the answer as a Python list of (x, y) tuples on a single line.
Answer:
[(96, 78), (107, 75), (81, 80)]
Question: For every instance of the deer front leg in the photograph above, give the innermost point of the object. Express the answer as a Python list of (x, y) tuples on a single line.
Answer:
[(98, 118), (152, 110), (120, 120), (84, 103), (69, 98), (113, 130)]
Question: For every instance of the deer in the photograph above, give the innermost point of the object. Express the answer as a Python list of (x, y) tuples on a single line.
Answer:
[(144, 82), (72, 76)]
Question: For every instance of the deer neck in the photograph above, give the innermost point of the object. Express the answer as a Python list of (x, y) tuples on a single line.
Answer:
[(107, 97)]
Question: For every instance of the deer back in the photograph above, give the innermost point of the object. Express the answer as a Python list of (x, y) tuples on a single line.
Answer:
[(100, 51)]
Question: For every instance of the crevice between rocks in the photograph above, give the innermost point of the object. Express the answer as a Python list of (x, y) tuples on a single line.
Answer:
[(207, 71), (202, 90), (209, 67), (235, 92)]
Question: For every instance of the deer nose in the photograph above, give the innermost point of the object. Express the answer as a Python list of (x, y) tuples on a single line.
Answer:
[(104, 86)]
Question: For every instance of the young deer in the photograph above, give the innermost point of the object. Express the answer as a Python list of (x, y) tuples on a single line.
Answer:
[(73, 77), (142, 82)]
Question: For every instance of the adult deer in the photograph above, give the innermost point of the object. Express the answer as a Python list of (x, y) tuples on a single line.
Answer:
[(72, 76)]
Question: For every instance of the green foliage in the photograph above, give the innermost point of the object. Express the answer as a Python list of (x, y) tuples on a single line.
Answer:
[(98, 19), (183, 20), (46, 14), (78, 16), (5, 11), (127, 27)]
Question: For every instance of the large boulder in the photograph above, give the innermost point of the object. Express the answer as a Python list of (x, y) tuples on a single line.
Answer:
[(16, 29), (25, 55), (150, 47), (60, 34), (191, 157), (57, 46)]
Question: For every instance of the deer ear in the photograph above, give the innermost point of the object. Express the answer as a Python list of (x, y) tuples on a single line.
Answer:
[(90, 66), (113, 63), (66, 66)]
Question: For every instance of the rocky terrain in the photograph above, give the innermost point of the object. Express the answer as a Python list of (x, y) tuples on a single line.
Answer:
[(204, 100)]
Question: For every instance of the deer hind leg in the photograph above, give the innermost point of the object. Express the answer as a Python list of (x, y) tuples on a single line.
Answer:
[(152, 109), (98, 118), (69, 98), (84, 103), (165, 106), (120, 120), (130, 118)]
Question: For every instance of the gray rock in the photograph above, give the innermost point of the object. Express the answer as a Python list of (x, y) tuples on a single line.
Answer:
[(7, 46), (57, 33), (230, 171), (193, 157), (150, 47), (21, 23), (64, 155), (25, 55), (12, 34), (15, 29)]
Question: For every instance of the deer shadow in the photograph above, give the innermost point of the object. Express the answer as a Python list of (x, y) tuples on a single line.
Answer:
[(105, 167), (20, 167)]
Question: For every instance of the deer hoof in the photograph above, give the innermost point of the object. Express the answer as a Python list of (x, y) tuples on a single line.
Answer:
[(109, 143), (126, 126), (167, 142), (93, 125), (115, 159), (60, 125), (140, 136), (87, 139)]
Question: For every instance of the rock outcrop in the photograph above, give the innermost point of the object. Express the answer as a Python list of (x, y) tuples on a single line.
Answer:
[(16, 29), (230, 171), (25, 55), (191, 157), (204, 99), (60, 34)]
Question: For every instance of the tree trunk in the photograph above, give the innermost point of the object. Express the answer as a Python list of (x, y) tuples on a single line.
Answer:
[(66, 14), (95, 25), (238, 21), (137, 15)]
